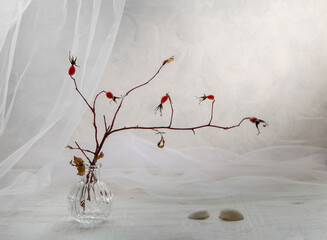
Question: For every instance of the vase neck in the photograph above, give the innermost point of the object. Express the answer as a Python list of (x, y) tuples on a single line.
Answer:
[(92, 173)]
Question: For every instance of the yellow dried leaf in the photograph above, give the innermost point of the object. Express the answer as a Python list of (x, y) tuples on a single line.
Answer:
[(78, 161), (161, 143), (79, 164), (168, 60), (99, 156), (81, 170)]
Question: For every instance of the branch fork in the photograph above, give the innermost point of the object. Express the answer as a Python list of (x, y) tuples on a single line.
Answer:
[(109, 129)]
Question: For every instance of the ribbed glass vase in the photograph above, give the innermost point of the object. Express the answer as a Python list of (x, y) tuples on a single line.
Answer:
[(89, 200)]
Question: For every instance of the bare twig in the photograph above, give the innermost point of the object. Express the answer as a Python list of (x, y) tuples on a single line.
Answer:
[(237, 124), (120, 104), (179, 129), (82, 152), (105, 123), (81, 94), (172, 111), (94, 119), (213, 102), (109, 128), (122, 100), (85, 150)]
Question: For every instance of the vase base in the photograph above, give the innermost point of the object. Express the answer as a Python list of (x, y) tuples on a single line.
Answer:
[(89, 220)]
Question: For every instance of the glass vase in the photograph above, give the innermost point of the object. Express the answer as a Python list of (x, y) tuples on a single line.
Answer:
[(89, 200)]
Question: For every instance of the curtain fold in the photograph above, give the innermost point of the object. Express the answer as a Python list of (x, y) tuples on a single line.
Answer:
[(39, 107)]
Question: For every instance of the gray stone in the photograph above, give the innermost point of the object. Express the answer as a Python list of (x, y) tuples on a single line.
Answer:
[(230, 214), (199, 215)]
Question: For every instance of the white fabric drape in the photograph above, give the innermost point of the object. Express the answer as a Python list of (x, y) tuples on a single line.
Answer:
[(39, 108), (259, 58), (132, 163)]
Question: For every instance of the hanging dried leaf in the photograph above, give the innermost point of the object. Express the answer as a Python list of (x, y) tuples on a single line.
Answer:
[(79, 164), (161, 143)]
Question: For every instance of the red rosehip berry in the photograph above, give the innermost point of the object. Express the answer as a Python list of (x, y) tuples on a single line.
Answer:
[(253, 119), (109, 95), (164, 99), (204, 97), (72, 69)]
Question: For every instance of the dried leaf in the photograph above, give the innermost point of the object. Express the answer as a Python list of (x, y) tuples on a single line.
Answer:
[(78, 161), (81, 170), (79, 164), (161, 143), (99, 156), (70, 147), (168, 60)]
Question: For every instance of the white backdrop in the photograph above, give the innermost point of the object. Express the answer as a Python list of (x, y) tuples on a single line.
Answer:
[(259, 58)]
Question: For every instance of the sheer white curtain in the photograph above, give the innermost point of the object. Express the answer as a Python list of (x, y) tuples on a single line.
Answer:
[(39, 108)]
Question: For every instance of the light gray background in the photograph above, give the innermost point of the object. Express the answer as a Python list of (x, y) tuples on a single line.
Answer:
[(259, 58)]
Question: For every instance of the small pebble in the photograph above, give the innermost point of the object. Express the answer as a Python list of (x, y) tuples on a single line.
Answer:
[(199, 215), (229, 214)]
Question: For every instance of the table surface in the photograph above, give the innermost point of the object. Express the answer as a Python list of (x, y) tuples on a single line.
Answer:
[(137, 215)]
